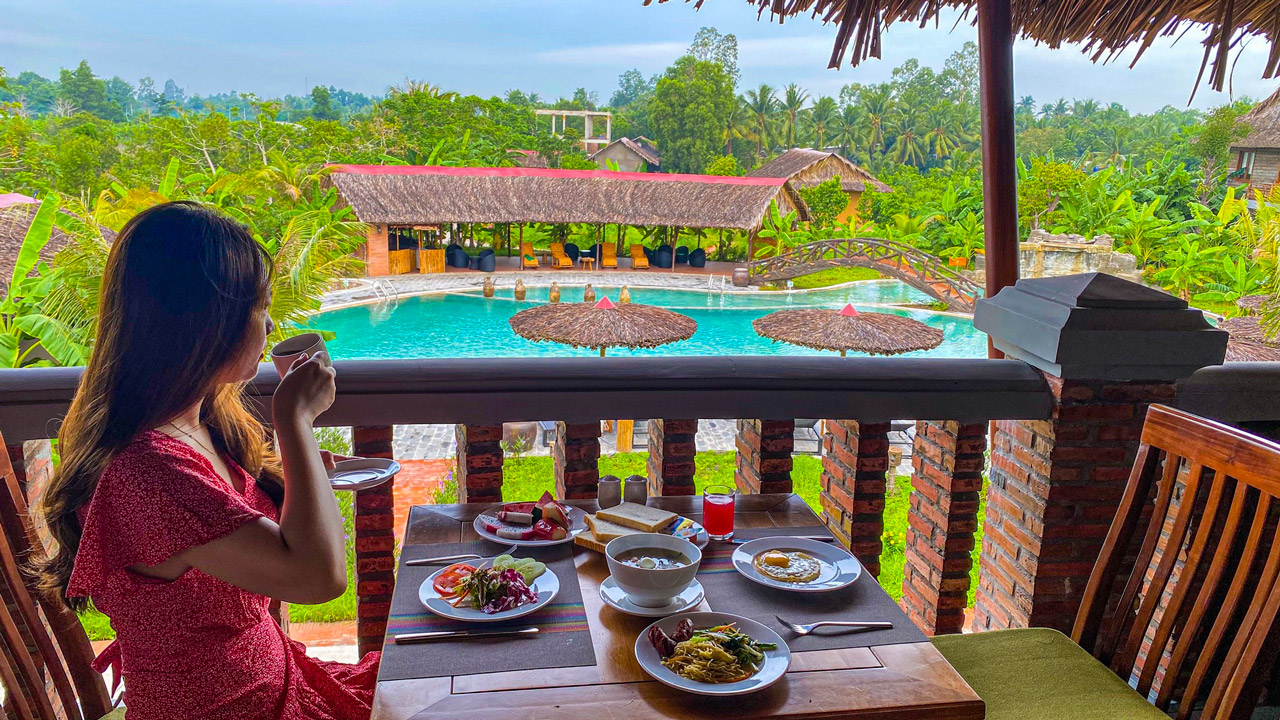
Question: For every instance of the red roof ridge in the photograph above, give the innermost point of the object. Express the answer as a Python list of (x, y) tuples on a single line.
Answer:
[(549, 172)]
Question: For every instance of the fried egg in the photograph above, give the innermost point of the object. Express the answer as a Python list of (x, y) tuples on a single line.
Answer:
[(792, 567)]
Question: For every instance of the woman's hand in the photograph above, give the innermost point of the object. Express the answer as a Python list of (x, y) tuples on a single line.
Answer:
[(330, 459), (305, 391)]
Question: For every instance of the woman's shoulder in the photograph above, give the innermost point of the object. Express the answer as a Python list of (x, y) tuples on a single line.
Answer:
[(152, 455)]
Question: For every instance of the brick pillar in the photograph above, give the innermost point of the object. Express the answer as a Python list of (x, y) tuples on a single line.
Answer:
[(947, 461), (855, 464), (375, 542), (479, 469), (33, 466), (376, 256), (1055, 485), (764, 455), (671, 456), (577, 460)]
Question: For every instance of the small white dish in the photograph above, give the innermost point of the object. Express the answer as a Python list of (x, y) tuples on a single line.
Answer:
[(362, 473), (545, 586), (577, 523), (695, 533), (775, 665), (616, 598), (839, 567)]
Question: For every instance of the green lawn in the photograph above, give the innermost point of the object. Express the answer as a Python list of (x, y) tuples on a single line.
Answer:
[(526, 478), (830, 276)]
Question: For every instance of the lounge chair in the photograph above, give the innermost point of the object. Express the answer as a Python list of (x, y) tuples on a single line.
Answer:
[(639, 261), (485, 261), (805, 438), (527, 258), (455, 256), (609, 256), (573, 251), (698, 258), (559, 260), (682, 255), (663, 257)]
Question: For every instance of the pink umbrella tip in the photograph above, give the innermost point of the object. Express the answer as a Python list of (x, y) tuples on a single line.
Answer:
[(604, 304), (848, 311)]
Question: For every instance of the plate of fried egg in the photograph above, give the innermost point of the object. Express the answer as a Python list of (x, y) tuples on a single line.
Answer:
[(796, 564)]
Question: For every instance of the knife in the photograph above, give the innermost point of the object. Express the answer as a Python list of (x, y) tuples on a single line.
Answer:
[(410, 638), (819, 538)]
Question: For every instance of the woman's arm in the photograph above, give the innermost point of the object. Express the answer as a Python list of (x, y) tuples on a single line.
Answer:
[(302, 558)]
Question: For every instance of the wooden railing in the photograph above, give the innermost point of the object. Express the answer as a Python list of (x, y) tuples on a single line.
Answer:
[(952, 401)]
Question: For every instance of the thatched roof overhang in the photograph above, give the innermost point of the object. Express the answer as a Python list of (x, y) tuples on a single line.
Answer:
[(805, 168), (16, 214), (417, 195), (1103, 28)]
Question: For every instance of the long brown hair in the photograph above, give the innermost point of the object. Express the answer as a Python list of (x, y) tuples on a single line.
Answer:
[(181, 286)]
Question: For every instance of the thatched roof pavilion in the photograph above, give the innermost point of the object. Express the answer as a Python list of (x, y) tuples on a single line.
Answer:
[(1264, 125), (806, 168), (428, 195)]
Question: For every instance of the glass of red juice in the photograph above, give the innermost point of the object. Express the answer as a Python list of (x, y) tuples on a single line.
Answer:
[(717, 511)]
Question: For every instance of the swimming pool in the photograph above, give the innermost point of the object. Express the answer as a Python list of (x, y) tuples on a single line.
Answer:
[(467, 324)]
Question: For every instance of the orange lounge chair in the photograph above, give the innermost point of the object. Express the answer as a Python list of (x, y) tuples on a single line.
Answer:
[(527, 258), (638, 259), (609, 256), (559, 260)]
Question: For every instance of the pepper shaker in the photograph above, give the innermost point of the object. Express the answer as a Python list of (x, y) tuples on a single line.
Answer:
[(636, 490), (609, 491)]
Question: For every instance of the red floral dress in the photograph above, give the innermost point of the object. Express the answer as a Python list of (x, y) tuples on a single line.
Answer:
[(196, 647)]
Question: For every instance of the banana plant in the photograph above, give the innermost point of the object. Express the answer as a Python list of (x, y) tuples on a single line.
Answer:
[(24, 329), (1189, 265), (1239, 277), (782, 230)]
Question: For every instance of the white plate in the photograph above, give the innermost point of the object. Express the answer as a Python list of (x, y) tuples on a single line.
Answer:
[(545, 586), (839, 568), (616, 598), (361, 473), (775, 666), (577, 523)]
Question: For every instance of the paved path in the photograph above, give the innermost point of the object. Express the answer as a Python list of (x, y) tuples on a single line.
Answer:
[(363, 290)]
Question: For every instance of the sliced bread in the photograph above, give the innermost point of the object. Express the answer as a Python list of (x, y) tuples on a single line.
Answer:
[(640, 517), (605, 531)]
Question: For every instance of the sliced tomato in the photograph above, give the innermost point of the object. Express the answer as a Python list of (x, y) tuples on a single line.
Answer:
[(447, 582)]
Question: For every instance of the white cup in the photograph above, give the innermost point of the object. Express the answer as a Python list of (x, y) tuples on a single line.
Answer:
[(290, 349)]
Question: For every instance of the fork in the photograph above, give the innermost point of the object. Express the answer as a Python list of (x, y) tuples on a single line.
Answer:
[(860, 625), (443, 559)]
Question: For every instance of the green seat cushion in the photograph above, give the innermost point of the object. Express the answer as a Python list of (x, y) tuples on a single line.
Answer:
[(1037, 673)]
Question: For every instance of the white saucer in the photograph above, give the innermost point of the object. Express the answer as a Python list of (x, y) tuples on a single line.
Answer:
[(362, 473), (614, 597)]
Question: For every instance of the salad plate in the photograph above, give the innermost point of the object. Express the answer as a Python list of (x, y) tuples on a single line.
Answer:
[(546, 522), (777, 659), (545, 587), (811, 565)]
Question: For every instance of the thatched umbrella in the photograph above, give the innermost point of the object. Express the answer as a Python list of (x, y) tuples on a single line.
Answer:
[(603, 325), (1252, 304), (1247, 327), (848, 329), (1248, 351)]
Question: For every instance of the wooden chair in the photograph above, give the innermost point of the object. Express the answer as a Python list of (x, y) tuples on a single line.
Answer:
[(1186, 589), (527, 258), (559, 259), (639, 261), (609, 256), (46, 666)]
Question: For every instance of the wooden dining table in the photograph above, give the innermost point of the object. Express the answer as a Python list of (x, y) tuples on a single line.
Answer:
[(907, 680)]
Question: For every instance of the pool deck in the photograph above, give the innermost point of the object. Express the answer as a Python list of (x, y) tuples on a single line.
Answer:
[(364, 290)]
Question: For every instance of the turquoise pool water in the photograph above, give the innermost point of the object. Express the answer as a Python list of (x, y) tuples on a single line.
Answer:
[(466, 324)]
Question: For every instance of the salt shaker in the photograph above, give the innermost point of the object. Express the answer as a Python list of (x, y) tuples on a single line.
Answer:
[(609, 491), (636, 490)]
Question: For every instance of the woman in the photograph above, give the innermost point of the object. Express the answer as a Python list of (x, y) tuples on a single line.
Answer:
[(170, 510)]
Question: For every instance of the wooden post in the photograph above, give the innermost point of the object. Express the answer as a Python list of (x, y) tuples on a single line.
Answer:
[(999, 173)]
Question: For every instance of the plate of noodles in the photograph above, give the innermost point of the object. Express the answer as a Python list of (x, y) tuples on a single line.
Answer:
[(711, 653)]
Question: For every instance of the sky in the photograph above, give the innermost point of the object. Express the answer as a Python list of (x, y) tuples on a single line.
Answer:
[(551, 47)]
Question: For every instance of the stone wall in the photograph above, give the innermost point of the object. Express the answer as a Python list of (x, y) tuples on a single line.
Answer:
[(1046, 254)]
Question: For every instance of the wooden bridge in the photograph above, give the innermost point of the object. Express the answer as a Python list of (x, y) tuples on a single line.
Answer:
[(917, 268)]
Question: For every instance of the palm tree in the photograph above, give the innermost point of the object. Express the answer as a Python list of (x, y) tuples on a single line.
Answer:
[(1083, 108), (763, 104), (1026, 104), (879, 109), (737, 124), (908, 143), (848, 129), (942, 137), (823, 119), (793, 101), (412, 87)]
